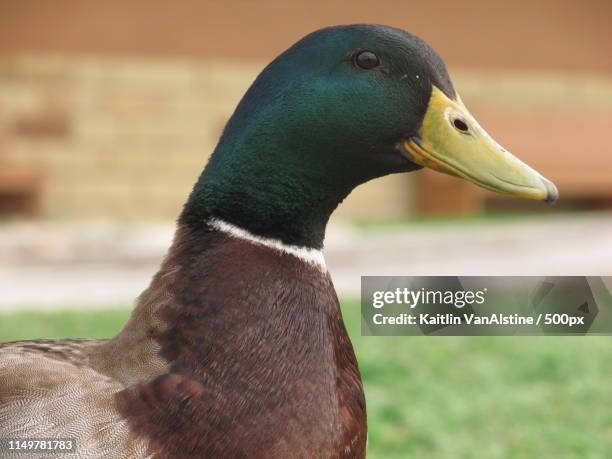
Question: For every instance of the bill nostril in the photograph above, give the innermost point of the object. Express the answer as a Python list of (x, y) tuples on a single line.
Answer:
[(460, 125)]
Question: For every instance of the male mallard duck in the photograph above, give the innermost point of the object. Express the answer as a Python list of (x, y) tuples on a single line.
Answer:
[(237, 348)]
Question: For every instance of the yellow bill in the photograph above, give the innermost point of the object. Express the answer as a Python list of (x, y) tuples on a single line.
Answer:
[(451, 141)]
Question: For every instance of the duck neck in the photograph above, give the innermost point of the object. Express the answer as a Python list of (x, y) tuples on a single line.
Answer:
[(284, 206), (274, 184)]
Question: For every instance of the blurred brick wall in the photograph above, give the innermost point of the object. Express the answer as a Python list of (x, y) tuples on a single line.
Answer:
[(119, 103), (127, 138), (116, 137)]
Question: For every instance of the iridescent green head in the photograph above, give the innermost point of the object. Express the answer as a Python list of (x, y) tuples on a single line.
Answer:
[(342, 106)]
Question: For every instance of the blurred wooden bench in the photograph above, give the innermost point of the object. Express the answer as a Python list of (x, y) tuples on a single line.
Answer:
[(19, 190), (20, 186)]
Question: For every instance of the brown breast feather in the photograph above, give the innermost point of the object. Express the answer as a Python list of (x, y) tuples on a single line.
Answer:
[(217, 360)]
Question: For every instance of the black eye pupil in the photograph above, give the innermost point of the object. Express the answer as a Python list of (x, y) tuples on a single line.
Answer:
[(460, 124), (367, 60)]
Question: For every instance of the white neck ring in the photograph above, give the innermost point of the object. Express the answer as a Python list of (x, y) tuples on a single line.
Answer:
[(309, 255)]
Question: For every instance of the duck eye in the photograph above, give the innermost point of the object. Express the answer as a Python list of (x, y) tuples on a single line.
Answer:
[(461, 125), (367, 60)]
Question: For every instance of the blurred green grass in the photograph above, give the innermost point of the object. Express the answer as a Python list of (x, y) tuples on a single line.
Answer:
[(444, 397), (473, 219)]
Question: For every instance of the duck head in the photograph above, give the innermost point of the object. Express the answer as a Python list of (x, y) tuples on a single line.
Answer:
[(342, 106)]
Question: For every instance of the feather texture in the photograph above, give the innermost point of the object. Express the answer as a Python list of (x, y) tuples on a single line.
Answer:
[(217, 360)]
